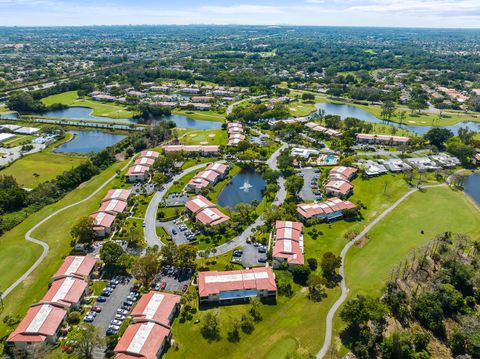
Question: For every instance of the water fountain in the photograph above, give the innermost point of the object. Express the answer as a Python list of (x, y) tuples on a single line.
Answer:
[(246, 186)]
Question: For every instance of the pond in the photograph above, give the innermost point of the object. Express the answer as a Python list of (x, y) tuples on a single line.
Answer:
[(89, 141), (8, 116), (345, 110), (244, 187), (85, 113), (471, 186)]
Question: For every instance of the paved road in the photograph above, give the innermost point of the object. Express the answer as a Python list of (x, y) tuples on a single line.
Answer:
[(14, 153), (306, 193), (331, 313), (151, 213), (28, 235), (109, 308)]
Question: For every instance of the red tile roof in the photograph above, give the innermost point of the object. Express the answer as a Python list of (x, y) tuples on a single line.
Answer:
[(79, 266), (384, 138), (41, 320), (137, 170), (150, 154), (215, 282), (289, 242), (103, 219), (309, 210), (145, 161), (113, 206), (141, 340), (205, 211), (121, 194), (339, 187), (156, 306), (342, 172), (217, 167), (66, 291)]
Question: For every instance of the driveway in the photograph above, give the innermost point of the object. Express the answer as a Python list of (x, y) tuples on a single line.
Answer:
[(169, 226), (251, 255), (109, 308)]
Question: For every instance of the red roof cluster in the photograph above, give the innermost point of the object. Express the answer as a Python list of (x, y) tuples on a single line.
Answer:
[(342, 173), (235, 133), (152, 317), (324, 209), (382, 138), (289, 242), (205, 211), (113, 203), (67, 291), (215, 282), (76, 266), (209, 176)]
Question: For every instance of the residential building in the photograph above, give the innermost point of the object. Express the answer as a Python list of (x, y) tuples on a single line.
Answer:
[(395, 165), (205, 211), (142, 340), (76, 266), (6, 136), (423, 164), (66, 291), (145, 161), (41, 325), (318, 128), (113, 206), (372, 168), (27, 130), (212, 174), (158, 307), (288, 247), (342, 173), (103, 223), (386, 139), (327, 210), (445, 160), (304, 153), (338, 188), (137, 173), (121, 194), (221, 287), (150, 154)]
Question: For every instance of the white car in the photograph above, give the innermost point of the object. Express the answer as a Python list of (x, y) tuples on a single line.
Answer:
[(116, 322), (119, 317), (88, 318), (122, 311)]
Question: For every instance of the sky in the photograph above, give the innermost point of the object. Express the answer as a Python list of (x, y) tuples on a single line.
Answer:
[(390, 13)]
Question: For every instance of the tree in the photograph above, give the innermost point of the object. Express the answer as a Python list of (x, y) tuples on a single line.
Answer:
[(211, 326), (329, 264), (146, 268), (308, 96), (429, 313), (255, 305), (24, 102), (186, 256), (111, 252), (316, 287), (301, 273), (83, 231), (247, 324), (312, 262), (388, 110), (438, 136), (294, 184), (86, 338)]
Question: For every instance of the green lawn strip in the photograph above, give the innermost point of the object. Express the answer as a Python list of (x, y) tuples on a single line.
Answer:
[(201, 115), (179, 185), (102, 109), (435, 211), (17, 141), (55, 232), (98, 286)]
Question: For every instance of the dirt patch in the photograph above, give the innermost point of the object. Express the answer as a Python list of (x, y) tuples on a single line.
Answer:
[(362, 242), (212, 135), (204, 143)]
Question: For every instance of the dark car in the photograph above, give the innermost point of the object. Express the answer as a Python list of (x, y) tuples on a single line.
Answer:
[(185, 287), (97, 309), (102, 299)]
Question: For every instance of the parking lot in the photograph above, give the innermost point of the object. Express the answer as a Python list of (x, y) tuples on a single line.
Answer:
[(109, 308), (252, 255), (176, 199), (173, 279), (309, 191), (179, 232)]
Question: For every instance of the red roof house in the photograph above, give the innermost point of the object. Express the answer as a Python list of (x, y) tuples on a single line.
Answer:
[(142, 340), (145, 161), (288, 245), (160, 308), (113, 206), (150, 154), (121, 194), (338, 188), (67, 291), (103, 222), (76, 266), (327, 210), (227, 286)]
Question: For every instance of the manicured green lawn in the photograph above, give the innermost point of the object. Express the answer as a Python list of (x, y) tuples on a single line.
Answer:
[(203, 137), (46, 164), (300, 108), (17, 141), (17, 255), (201, 115), (102, 109)]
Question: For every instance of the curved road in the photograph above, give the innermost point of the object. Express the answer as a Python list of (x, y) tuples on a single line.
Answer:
[(28, 235), (151, 213), (331, 313)]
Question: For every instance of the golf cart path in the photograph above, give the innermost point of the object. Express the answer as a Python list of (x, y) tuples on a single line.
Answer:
[(28, 235), (331, 313)]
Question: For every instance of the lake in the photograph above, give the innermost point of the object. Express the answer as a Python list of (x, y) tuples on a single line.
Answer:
[(471, 186), (8, 116), (346, 110), (85, 113), (89, 141), (244, 187)]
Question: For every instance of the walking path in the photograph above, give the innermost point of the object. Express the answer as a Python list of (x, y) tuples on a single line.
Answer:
[(331, 313), (28, 235)]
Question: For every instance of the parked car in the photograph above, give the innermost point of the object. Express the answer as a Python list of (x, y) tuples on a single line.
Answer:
[(185, 287), (105, 293), (116, 322), (262, 249), (164, 285), (88, 318), (122, 311), (93, 314), (174, 231), (102, 299), (96, 308), (156, 286), (262, 259), (120, 317), (237, 253)]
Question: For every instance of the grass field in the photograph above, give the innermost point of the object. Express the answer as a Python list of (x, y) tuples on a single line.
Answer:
[(18, 140), (203, 137), (16, 254), (201, 115), (392, 239), (31, 170), (102, 109)]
